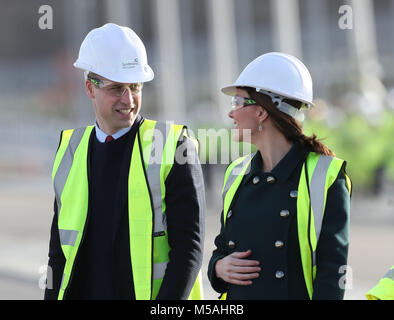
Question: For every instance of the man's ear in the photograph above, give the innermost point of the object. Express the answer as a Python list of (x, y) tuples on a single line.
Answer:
[(89, 89)]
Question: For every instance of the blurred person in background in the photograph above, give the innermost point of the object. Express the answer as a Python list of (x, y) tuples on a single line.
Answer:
[(285, 220), (128, 219), (384, 289)]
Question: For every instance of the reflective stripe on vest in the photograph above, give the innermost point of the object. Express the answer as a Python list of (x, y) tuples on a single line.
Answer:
[(318, 174), (321, 171), (67, 148), (390, 274), (236, 171), (384, 290), (70, 181), (146, 202)]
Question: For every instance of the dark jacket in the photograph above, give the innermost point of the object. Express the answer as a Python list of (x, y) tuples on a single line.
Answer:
[(103, 266), (256, 224)]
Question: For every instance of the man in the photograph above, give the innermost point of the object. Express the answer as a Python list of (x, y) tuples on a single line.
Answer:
[(129, 217)]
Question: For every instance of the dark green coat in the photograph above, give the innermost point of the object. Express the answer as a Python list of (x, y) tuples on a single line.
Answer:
[(256, 224)]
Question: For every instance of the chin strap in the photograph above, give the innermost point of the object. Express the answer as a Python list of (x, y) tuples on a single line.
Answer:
[(284, 106)]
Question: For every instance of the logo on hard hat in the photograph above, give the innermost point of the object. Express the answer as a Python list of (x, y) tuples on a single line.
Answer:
[(130, 65)]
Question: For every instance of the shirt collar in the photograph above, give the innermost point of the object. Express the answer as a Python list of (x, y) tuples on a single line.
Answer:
[(101, 135), (283, 169)]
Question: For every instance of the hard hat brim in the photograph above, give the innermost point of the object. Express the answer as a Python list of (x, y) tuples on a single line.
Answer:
[(231, 90), (145, 74)]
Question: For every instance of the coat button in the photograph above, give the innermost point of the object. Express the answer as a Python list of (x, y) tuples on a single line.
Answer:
[(279, 274), (279, 244), (293, 194), (256, 180), (231, 244), (284, 213), (229, 214), (271, 179)]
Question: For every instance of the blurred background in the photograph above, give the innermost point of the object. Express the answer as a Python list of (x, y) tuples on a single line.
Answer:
[(195, 48)]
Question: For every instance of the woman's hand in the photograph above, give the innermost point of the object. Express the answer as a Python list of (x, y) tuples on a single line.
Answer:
[(235, 269)]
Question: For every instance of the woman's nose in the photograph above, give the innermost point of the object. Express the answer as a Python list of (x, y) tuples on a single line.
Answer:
[(230, 114)]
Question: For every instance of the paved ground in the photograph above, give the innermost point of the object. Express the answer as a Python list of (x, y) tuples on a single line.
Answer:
[(26, 202)]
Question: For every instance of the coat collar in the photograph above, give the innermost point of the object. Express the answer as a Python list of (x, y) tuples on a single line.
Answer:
[(283, 169)]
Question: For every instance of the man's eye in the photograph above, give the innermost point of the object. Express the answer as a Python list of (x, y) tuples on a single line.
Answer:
[(115, 89), (135, 88)]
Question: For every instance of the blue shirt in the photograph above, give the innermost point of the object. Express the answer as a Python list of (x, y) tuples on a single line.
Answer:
[(101, 135)]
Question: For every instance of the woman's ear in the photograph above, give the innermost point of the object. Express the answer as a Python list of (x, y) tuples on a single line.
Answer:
[(89, 89), (262, 114)]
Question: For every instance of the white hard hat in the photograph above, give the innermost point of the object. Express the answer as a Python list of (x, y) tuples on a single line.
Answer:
[(115, 53), (277, 74)]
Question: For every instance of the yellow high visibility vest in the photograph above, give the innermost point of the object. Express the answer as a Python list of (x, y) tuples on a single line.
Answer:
[(384, 290), (318, 173), (151, 161)]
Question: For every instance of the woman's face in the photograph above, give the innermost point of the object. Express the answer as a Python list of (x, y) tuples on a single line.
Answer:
[(245, 119)]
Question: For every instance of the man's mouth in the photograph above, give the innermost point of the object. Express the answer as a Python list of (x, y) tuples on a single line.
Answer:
[(124, 110)]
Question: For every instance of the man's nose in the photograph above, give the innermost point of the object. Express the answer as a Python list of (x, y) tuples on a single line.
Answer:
[(230, 114), (127, 97)]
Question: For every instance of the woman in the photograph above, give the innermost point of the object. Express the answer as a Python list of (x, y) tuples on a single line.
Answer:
[(285, 220)]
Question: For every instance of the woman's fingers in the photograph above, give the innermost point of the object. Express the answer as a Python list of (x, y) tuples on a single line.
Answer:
[(241, 254), (238, 258), (242, 279), (243, 262), (239, 282), (236, 269), (244, 276)]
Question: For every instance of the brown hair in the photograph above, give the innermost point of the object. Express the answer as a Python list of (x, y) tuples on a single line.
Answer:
[(287, 125)]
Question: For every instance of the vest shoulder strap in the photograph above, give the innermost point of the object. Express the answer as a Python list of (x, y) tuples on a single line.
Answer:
[(68, 138), (158, 142), (318, 174), (232, 179)]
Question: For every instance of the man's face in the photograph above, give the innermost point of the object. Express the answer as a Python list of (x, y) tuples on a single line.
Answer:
[(113, 109)]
